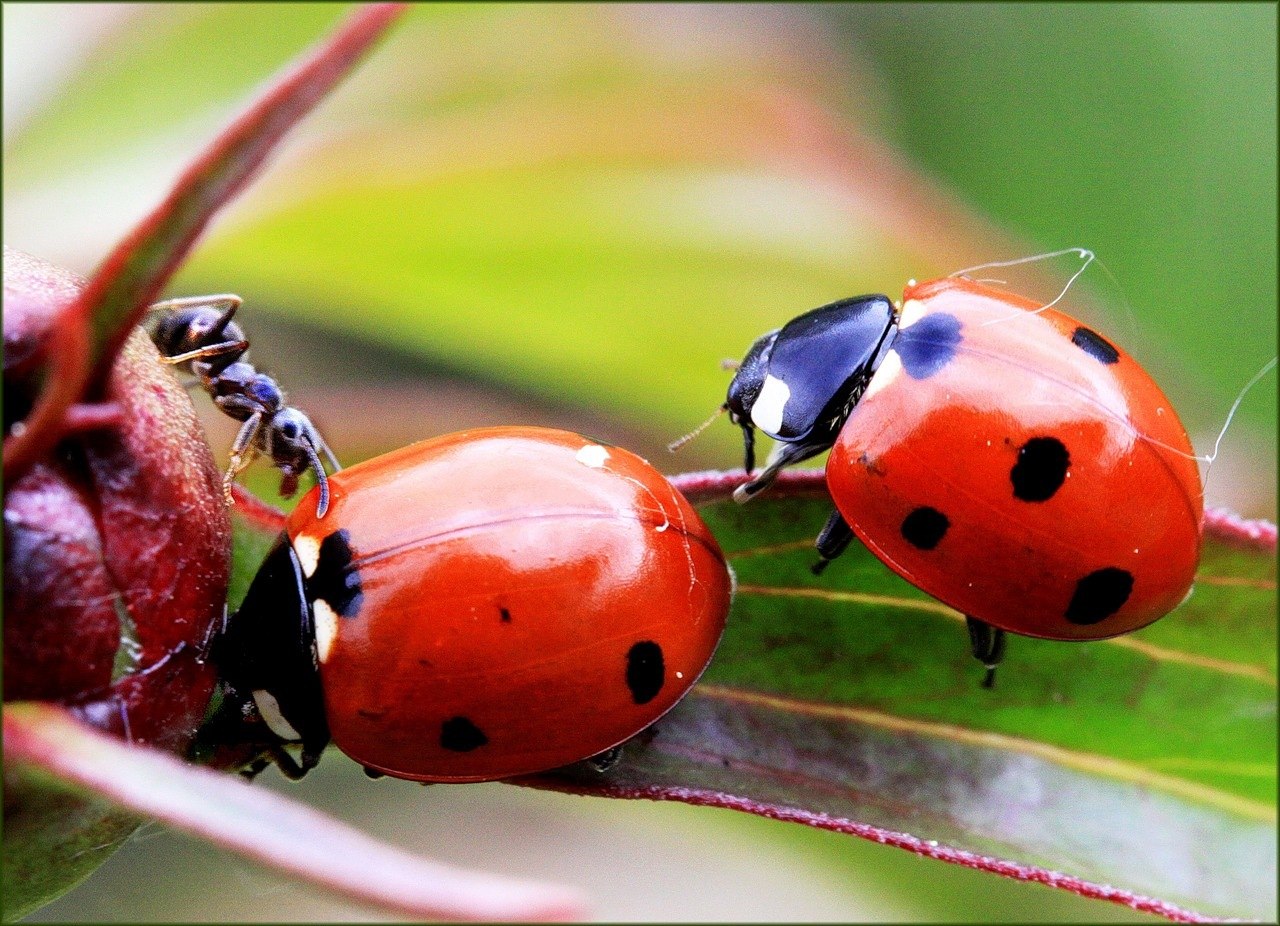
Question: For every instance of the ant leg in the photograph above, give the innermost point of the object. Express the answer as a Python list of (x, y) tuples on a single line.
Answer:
[(988, 647), (227, 301), (239, 461), (833, 541), (210, 350)]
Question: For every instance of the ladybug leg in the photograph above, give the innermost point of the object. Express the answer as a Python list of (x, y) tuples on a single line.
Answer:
[(606, 760), (255, 768), (783, 455), (833, 541), (748, 447), (290, 767), (988, 647)]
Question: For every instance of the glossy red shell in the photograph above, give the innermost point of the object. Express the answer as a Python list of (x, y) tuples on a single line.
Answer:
[(1130, 502), (507, 577)]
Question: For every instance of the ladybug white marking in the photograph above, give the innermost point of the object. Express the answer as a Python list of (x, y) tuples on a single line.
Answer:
[(308, 552), (593, 455), (766, 413), (326, 627), (269, 711), (890, 369), (912, 312)]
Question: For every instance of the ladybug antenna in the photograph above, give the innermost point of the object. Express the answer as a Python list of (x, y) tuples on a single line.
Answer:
[(1084, 254), (677, 444), (1210, 457)]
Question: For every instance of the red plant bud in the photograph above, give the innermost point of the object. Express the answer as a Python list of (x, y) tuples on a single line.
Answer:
[(117, 546)]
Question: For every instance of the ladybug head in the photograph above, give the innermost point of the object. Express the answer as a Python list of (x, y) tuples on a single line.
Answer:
[(798, 384), (267, 662)]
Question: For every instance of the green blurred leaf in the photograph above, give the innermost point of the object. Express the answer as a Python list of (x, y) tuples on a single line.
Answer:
[(55, 836), (1144, 131), (1147, 762)]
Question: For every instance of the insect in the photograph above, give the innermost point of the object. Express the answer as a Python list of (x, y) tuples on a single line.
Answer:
[(994, 452), (485, 604), (198, 334)]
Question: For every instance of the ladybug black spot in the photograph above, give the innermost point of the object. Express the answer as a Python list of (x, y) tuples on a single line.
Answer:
[(928, 345), (1099, 595), (504, 615), (925, 527), (645, 671), (336, 580), (1095, 345), (1041, 469), (458, 734)]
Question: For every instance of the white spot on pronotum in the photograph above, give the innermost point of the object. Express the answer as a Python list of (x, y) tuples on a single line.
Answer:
[(679, 675), (269, 711), (326, 627), (890, 369), (766, 413), (593, 455), (308, 551), (912, 312)]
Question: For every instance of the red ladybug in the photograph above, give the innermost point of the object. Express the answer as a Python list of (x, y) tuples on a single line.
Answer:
[(997, 454), (486, 604)]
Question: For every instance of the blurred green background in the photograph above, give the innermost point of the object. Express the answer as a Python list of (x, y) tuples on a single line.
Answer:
[(567, 215)]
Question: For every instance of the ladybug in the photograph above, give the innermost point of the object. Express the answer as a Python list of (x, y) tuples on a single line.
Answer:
[(486, 604), (996, 453)]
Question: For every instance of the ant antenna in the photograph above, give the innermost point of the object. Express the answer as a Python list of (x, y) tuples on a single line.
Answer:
[(677, 444)]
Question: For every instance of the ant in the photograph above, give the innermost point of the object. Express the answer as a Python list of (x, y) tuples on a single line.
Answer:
[(198, 335)]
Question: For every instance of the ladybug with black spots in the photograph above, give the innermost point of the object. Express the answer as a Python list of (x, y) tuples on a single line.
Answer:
[(999, 455), (486, 604)]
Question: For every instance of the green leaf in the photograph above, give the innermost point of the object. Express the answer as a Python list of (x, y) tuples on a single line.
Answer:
[(850, 701)]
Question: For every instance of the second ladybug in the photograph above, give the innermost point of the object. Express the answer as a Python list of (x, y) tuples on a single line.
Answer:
[(994, 452), (486, 604)]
